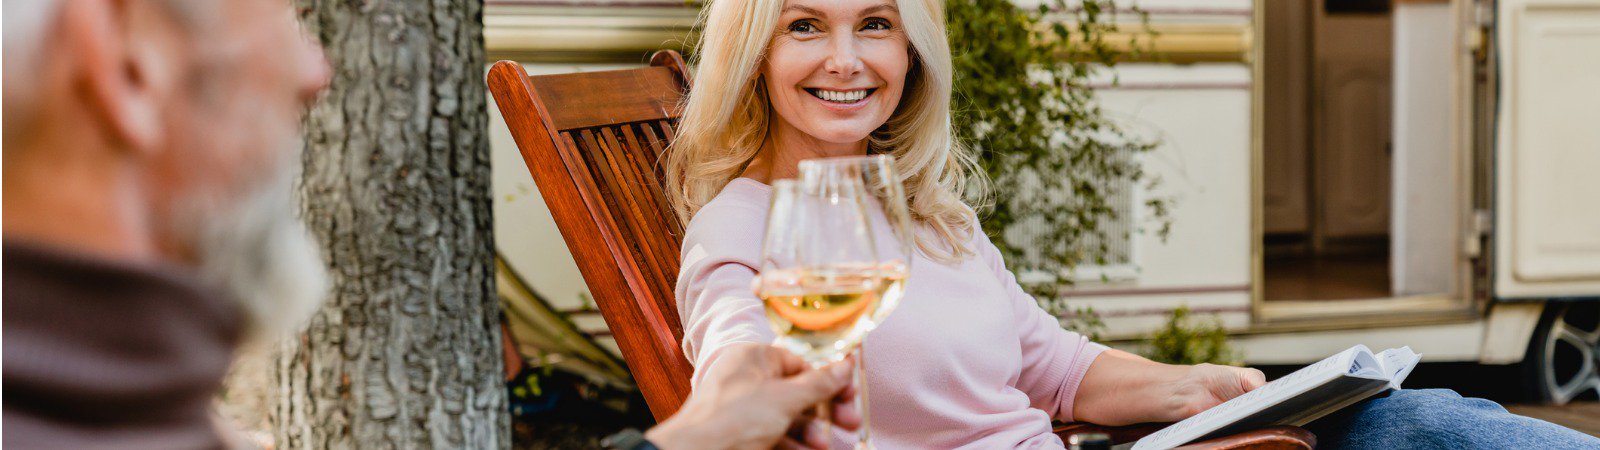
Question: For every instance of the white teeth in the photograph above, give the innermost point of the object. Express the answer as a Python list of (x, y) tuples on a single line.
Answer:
[(841, 96)]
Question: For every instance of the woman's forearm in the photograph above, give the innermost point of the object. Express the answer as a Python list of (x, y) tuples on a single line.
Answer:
[(1121, 388)]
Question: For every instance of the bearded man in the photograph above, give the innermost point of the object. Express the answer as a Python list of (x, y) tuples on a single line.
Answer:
[(148, 222), (149, 151)]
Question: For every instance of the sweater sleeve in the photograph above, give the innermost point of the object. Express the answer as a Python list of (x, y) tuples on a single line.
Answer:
[(1054, 360), (714, 297)]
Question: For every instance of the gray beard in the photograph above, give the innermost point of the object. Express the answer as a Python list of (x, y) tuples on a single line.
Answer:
[(258, 251)]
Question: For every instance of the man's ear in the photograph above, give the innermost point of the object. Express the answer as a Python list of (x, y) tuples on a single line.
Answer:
[(114, 70)]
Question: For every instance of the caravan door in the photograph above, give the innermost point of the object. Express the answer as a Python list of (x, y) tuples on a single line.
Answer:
[(1546, 232)]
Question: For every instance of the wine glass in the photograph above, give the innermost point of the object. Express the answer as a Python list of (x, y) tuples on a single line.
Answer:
[(820, 280), (891, 225)]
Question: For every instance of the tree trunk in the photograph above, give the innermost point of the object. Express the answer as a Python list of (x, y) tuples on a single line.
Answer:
[(406, 353)]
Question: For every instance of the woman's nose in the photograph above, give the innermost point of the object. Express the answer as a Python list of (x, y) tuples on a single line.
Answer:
[(843, 60)]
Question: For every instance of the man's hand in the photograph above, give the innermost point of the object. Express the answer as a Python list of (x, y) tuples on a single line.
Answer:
[(1121, 389), (757, 397)]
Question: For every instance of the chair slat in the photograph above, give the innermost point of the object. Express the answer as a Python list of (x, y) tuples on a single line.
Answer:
[(604, 171), (622, 204), (639, 189), (649, 154), (659, 141), (666, 129), (624, 189), (594, 99), (662, 242)]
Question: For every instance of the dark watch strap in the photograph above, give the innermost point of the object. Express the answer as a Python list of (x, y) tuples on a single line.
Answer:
[(629, 439)]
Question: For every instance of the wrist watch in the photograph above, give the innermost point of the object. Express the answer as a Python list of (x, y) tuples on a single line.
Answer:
[(629, 439)]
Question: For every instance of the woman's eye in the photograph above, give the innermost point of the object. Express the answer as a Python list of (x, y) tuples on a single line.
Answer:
[(802, 26), (876, 24)]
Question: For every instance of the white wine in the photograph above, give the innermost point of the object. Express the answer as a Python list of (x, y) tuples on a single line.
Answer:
[(821, 314), (891, 287)]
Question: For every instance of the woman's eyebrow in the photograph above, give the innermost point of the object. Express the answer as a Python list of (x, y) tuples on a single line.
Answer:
[(804, 9), (819, 13), (879, 7)]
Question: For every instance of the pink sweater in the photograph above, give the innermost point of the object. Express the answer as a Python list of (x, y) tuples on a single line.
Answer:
[(968, 360)]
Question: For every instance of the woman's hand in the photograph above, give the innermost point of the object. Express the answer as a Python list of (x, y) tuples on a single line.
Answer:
[(1204, 386), (1121, 388)]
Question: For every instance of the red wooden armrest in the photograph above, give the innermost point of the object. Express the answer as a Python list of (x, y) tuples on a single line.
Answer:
[(1270, 438), (1127, 433)]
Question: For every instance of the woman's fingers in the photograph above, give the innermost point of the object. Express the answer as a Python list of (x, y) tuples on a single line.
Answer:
[(1252, 379), (845, 412), (817, 434), (807, 432)]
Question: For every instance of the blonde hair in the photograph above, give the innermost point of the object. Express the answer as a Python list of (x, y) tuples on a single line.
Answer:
[(727, 112)]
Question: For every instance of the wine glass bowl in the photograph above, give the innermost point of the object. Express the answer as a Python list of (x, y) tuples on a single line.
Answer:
[(820, 281), (889, 219)]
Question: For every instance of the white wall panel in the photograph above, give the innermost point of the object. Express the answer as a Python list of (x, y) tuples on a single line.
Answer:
[(1426, 210), (1548, 149)]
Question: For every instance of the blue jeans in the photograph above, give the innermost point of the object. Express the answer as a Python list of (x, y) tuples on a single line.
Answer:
[(1439, 419)]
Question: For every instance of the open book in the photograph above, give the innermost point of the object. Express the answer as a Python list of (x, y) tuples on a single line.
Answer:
[(1301, 397)]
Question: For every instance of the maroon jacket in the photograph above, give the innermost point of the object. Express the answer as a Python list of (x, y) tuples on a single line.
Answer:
[(103, 354)]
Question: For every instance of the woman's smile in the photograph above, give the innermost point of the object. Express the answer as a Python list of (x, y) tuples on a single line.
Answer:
[(842, 99)]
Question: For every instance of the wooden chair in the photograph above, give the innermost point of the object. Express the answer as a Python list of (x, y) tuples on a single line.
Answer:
[(591, 141)]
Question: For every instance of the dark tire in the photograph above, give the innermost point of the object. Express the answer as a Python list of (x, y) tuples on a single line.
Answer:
[(1563, 358)]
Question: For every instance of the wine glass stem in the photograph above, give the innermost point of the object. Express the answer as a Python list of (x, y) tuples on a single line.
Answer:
[(864, 437)]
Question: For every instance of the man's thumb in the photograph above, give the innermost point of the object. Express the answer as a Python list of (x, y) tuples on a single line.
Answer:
[(814, 386)]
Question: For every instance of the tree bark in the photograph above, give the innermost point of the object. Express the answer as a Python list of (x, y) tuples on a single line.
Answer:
[(406, 353)]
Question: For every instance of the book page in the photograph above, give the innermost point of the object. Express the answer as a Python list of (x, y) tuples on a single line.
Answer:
[(1364, 364), (1397, 364)]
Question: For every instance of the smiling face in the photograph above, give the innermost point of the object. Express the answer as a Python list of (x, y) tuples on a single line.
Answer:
[(836, 69)]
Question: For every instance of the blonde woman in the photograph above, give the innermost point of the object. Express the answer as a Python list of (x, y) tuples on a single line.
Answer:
[(968, 360)]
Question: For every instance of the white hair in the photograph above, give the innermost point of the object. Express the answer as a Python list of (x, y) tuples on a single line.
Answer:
[(25, 24), (28, 23)]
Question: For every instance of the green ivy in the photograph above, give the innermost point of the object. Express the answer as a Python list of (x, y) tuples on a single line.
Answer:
[(1186, 340), (1084, 321), (1023, 102)]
